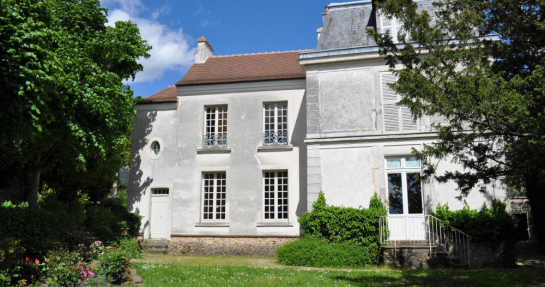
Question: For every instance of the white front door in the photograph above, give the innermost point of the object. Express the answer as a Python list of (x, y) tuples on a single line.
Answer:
[(406, 216), (160, 211)]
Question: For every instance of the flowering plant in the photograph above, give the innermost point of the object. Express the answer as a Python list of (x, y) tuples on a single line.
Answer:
[(114, 264)]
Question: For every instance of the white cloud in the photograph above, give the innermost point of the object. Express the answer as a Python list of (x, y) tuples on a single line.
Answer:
[(164, 10), (133, 7), (171, 48), (205, 23)]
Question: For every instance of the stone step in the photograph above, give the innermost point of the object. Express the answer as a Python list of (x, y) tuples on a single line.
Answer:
[(155, 246)]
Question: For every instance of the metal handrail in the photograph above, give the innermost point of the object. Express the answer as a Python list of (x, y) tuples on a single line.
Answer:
[(215, 140), (438, 234)]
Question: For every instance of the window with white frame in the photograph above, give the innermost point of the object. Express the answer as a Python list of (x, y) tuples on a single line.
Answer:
[(275, 123), (215, 126), (404, 186), (396, 119), (214, 196), (275, 195)]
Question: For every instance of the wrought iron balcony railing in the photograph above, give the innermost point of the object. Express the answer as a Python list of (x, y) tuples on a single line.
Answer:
[(215, 140), (275, 138)]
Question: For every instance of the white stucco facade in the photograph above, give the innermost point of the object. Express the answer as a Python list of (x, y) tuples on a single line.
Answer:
[(342, 130)]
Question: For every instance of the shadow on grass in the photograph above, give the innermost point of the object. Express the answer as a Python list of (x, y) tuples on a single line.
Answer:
[(404, 280)]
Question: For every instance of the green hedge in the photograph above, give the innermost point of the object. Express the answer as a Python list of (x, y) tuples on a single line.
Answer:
[(487, 224), (318, 253), (334, 224), (491, 225), (37, 231)]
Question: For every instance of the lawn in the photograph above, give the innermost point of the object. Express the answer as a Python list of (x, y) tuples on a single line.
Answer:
[(235, 271)]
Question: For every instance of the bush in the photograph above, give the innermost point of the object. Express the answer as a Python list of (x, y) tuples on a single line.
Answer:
[(130, 247), (107, 219), (318, 253), (62, 267), (113, 264), (36, 231), (335, 224), (492, 225)]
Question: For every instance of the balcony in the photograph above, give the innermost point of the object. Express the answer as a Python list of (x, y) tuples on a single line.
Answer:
[(215, 140), (275, 138)]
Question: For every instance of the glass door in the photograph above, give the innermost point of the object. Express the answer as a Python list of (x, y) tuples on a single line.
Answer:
[(406, 216)]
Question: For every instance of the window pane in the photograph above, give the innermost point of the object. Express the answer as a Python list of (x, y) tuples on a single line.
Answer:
[(412, 162), (393, 162), (414, 193), (395, 193)]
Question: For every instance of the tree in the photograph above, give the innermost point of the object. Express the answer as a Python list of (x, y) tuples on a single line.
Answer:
[(489, 94), (64, 105)]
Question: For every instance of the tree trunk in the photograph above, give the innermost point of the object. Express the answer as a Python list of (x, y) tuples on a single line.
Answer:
[(535, 190), (35, 184)]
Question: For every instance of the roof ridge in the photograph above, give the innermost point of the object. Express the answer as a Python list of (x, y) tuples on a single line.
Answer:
[(261, 53)]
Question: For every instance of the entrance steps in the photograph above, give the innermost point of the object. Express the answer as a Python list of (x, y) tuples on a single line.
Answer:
[(155, 246)]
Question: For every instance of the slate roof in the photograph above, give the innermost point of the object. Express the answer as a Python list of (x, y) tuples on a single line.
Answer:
[(167, 95), (245, 68), (344, 27)]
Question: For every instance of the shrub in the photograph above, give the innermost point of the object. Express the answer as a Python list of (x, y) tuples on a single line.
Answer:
[(357, 226), (318, 253), (36, 231), (113, 264), (130, 247), (107, 219), (61, 267), (492, 225)]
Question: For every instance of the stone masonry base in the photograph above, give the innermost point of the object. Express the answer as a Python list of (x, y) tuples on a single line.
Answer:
[(227, 245)]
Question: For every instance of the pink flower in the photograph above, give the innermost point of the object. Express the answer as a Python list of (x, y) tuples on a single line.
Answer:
[(37, 261), (27, 260)]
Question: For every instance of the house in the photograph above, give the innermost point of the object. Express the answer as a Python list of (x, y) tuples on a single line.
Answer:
[(228, 158)]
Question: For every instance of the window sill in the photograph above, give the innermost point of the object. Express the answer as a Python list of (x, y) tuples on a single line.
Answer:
[(212, 224), (275, 148), (214, 150), (274, 224)]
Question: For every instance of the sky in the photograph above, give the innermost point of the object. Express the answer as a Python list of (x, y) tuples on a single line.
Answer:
[(231, 27)]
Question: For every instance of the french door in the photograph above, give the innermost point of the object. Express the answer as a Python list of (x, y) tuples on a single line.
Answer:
[(406, 210)]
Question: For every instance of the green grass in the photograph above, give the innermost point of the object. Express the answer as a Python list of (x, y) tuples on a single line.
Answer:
[(231, 271)]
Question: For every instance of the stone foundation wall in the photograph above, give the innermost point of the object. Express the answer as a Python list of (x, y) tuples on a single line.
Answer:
[(406, 257), (236, 246)]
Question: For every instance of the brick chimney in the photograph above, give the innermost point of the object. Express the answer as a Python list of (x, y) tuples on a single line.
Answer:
[(204, 50)]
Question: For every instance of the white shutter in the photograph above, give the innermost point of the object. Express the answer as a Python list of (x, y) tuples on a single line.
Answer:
[(396, 119), (389, 99), (409, 125), (389, 25)]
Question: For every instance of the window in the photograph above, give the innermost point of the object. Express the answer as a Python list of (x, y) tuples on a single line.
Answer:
[(275, 124), (396, 119), (393, 26), (159, 191), (404, 187), (214, 196), (156, 148), (215, 133), (275, 196)]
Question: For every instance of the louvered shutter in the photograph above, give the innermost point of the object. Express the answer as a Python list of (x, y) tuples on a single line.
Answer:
[(396, 119), (389, 99)]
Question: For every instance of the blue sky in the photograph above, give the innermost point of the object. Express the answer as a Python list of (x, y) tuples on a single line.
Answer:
[(231, 27)]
